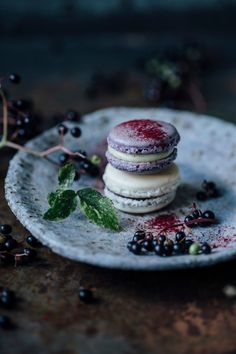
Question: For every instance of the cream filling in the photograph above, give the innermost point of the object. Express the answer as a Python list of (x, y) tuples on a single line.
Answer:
[(139, 157)]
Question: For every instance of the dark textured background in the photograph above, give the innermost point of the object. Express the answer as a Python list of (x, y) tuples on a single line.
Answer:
[(56, 46)]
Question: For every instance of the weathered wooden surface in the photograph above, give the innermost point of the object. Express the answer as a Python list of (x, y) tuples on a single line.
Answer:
[(166, 313)]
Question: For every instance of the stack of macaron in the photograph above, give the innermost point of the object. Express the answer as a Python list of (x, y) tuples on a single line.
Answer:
[(140, 176)]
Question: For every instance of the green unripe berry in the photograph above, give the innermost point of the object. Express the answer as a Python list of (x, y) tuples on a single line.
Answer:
[(95, 159), (194, 249)]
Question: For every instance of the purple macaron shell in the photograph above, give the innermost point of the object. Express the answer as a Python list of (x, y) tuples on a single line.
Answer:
[(143, 136), (141, 167)]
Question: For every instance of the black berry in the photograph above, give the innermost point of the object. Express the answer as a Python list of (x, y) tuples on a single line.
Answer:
[(32, 241), (187, 244), (136, 248), (5, 229), (75, 132), (15, 78), (161, 239), (187, 221), (213, 193), (7, 298), (30, 253), (139, 235), (85, 295), (72, 116), (129, 244), (147, 245), (62, 129), (167, 250), (10, 244), (208, 214), (206, 248), (180, 236), (178, 248), (77, 176), (158, 249), (63, 158)]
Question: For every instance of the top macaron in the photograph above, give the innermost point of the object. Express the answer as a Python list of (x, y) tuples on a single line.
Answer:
[(142, 145)]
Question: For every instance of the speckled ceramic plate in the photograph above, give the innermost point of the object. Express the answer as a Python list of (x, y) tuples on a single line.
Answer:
[(207, 151)]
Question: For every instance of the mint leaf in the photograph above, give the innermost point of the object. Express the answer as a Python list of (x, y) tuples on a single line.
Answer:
[(62, 203), (98, 209), (52, 197), (66, 176)]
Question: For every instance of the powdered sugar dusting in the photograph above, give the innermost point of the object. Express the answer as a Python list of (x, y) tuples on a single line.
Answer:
[(141, 133)]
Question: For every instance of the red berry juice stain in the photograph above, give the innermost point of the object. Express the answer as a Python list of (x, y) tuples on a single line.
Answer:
[(143, 129), (168, 222)]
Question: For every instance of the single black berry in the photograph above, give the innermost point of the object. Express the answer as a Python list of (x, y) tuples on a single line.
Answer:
[(161, 239), (32, 241), (30, 253), (7, 298), (136, 248), (62, 129), (147, 245), (180, 236), (208, 214), (167, 250), (206, 248), (129, 244), (5, 229), (155, 242), (202, 196), (15, 78), (5, 322), (178, 248), (158, 249), (73, 116), (85, 295), (10, 244), (139, 235), (90, 168), (75, 132), (63, 158), (187, 221), (188, 242)]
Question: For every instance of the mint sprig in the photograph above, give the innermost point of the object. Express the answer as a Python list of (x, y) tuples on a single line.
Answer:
[(97, 208)]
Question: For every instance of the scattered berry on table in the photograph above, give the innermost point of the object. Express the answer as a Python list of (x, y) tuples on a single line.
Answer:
[(30, 253), (32, 241), (85, 295), (5, 229), (10, 244), (14, 78)]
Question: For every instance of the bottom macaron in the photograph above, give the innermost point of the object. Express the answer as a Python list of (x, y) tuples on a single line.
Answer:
[(139, 193), (139, 206)]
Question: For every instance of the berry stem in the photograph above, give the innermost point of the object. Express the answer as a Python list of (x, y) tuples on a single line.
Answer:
[(202, 220)]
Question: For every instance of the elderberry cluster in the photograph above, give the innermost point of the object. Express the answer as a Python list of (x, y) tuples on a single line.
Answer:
[(209, 190), (163, 246), (199, 218), (12, 252), (84, 164)]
